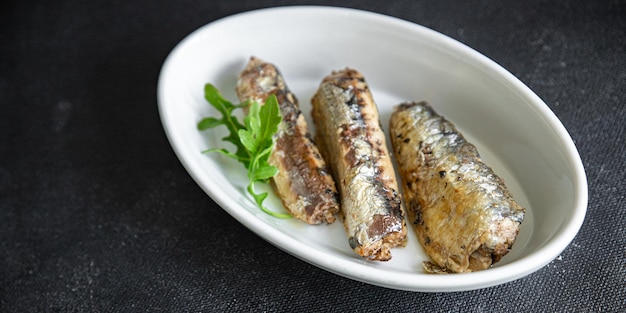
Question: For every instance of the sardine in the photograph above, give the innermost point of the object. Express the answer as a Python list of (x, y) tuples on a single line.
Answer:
[(352, 141), (303, 183), (464, 215)]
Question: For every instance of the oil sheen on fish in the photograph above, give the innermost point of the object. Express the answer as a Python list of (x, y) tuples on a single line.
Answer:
[(464, 216), (353, 143), (303, 182)]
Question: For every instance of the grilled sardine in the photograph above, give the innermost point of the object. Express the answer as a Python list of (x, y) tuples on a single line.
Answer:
[(350, 137), (303, 182), (464, 216)]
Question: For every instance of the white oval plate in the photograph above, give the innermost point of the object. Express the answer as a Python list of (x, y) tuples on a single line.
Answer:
[(515, 132)]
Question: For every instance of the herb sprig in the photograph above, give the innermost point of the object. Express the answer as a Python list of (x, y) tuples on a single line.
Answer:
[(254, 139)]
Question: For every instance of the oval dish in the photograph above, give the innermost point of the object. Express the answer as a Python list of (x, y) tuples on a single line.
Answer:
[(513, 129)]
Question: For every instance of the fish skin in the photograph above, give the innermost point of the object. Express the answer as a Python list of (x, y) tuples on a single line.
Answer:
[(303, 182), (464, 215), (352, 141)]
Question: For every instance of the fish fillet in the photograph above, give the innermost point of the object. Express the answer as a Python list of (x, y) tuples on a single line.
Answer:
[(303, 182), (353, 143), (464, 216)]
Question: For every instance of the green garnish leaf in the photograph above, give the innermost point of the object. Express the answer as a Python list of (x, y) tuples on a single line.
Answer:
[(208, 122), (254, 139), (265, 173), (226, 108)]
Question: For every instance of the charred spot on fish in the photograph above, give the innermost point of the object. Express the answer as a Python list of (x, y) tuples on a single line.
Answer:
[(406, 140), (427, 241), (352, 100), (418, 218), (442, 174), (396, 196), (310, 137), (353, 242), (383, 224), (322, 171), (495, 258), (415, 206)]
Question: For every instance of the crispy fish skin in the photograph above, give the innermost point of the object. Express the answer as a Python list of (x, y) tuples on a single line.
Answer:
[(303, 182), (352, 141), (464, 215)]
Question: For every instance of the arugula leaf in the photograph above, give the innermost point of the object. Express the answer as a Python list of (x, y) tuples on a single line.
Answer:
[(225, 107), (254, 139)]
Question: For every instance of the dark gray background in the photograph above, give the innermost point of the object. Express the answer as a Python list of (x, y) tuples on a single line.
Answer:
[(97, 213)]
